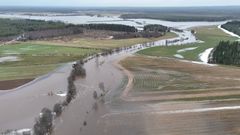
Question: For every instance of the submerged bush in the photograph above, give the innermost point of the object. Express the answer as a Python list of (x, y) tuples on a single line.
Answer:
[(101, 86), (85, 123), (72, 91), (58, 108), (44, 124), (78, 70), (95, 96), (95, 106)]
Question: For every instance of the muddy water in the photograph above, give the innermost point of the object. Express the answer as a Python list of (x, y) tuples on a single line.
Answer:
[(138, 23), (115, 116), (20, 106), (112, 115)]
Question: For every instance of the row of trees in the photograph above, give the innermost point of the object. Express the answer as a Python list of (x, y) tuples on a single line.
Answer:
[(112, 27), (11, 27), (44, 123), (20, 29), (233, 26), (175, 17), (227, 53)]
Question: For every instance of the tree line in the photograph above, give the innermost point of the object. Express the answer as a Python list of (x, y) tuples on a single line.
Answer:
[(11, 27), (176, 17), (25, 29), (226, 52), (112, 27), (233, 26)]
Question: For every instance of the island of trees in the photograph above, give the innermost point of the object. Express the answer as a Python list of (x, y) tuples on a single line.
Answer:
[(227, 53)]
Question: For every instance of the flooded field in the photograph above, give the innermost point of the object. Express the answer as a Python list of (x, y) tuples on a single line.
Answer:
[(144, 112), (138, 23), (200, 99), (146, 96)]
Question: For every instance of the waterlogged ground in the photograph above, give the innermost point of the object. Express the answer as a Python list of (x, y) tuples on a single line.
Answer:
[(168, 104), (138, 23), (213, 109), (160, 96)]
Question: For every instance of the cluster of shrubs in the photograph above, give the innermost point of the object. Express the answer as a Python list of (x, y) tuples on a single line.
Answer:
[(156, 28), (44, 124), (226, 52)]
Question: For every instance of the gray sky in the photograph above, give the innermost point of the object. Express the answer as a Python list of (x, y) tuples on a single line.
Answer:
[(129, 3)]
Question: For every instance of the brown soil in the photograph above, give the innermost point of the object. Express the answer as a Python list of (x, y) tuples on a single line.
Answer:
[(11, 84), (219, 80)]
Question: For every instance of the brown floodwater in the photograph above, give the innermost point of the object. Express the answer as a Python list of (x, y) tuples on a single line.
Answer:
[(111, 115)]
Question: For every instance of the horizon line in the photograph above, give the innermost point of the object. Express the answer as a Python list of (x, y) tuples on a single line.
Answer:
[(118, 6)]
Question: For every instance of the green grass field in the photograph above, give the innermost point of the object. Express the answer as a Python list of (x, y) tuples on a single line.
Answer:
[(40, 57), (104, 43), (37, 59), (210, 35)]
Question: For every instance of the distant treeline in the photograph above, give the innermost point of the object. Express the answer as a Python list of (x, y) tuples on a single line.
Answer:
[(233, 26), (16, 27), (175, 17), (112, 27), (156, 28), (11, 27), (227, 53), (25, 29)]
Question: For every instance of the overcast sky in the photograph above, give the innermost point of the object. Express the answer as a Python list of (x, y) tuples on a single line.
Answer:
[(129, 3)]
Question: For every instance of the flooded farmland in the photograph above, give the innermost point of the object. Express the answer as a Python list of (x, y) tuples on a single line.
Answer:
[(132, 113)]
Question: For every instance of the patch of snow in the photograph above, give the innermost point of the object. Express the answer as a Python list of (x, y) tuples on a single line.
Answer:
[(20, 132), (110, 37), (228, 32), (23, 130), (204, 56), (9, 59), (186, 49), (62, 94), (179, 56)]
